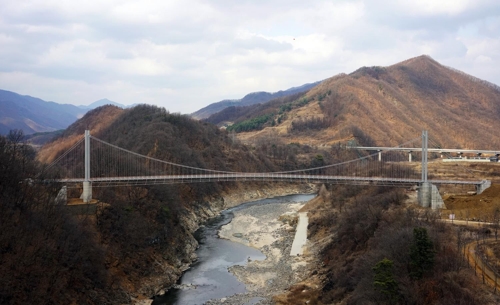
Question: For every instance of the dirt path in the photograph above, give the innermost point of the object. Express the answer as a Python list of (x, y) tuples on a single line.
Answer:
[(481, 269)]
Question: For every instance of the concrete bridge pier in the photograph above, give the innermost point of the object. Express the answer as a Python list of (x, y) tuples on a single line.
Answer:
[(425, 194), (62, 196), (379, 155), (429, 197), (481, 187), (87, 192), (409, 156)]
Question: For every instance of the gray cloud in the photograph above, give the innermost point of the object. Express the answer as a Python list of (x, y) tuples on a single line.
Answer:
[(267, 45), (199, 52)]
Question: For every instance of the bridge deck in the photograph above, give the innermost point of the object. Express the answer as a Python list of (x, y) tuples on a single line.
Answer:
[(264, 177), (438, 150)]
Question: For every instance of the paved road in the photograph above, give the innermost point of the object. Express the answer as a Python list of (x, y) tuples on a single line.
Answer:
[(469, 223)]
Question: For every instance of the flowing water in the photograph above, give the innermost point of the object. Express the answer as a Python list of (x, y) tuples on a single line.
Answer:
[(209, 277)]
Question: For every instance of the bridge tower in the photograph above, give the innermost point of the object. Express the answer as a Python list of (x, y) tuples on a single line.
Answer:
[(87, 184), (425, 188), (428, 194)]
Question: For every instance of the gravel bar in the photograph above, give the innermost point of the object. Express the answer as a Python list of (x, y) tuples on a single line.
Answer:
[(271, 229)]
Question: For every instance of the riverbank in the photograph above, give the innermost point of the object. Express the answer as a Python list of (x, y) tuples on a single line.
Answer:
[(271, 229), (237, 194)]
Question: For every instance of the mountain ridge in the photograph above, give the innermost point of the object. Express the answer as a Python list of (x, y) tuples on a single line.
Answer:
[(371, 105), (103, 102), (32, 114), (388, 106), (249, 99)]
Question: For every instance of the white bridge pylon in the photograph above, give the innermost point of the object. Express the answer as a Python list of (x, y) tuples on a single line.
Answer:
[(96, 163)]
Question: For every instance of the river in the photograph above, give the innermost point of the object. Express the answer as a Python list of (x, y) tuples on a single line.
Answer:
[(209, 278)]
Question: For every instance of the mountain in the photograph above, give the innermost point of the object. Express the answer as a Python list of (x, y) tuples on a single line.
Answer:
[(102, 102), (38, 139), (143, 234), (383, 106), (95, 120), (32, 114), (249, 99), (155, 223)]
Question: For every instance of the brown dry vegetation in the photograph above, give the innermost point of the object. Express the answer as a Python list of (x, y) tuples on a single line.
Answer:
[(484, 206), (354, 228), (391, 105), (143, 227), (491, 253), (96, 121), (46, 255), (145, 233)]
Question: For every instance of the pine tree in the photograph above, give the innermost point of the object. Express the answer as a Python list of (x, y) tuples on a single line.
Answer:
[(421, 254), (384, 281)]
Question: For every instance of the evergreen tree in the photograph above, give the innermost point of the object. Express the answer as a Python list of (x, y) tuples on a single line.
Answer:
[(384, 281), (421, 254)]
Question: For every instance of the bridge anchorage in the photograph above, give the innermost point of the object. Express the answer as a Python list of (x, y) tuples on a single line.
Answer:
[(107, 165)]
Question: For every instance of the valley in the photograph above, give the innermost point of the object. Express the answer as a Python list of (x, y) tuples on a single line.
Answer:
[(367, 242)]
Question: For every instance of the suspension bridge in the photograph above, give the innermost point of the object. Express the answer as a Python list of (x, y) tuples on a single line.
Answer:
[(97, 163)]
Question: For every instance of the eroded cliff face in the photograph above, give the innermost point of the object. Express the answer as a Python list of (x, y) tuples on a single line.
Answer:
[(168, 274)]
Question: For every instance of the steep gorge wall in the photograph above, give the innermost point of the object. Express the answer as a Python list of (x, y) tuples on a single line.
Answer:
[(200, 213)]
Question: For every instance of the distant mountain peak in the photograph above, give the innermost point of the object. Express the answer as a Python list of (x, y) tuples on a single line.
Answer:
[(418, 60), (380, 106), (102, 102)]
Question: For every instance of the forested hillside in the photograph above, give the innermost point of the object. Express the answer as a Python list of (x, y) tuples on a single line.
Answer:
[(144, 233), (141, 237), (373, 248), (249, 99), (95, 120), (46, 255), (238, 115), (387, 106)]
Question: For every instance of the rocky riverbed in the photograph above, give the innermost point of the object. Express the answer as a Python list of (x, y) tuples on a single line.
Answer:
[(240, 195), (271, 229)]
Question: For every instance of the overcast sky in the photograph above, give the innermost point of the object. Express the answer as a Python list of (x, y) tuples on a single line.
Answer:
[(184, 55)]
